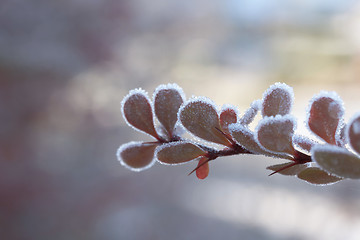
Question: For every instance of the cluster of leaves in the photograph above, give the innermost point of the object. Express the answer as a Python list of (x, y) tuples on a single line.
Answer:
[(334, 156)]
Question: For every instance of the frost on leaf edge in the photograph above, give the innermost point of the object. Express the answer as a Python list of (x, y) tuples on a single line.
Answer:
[(314, 166), (146, 95), (299, 141), (133, 143), (172, 86), (262, 151), (282, 86), (250, 113), (159, 128), (228, 106), (158, 149), (332, 149), (268, 119), (333, 95), (195, 99)]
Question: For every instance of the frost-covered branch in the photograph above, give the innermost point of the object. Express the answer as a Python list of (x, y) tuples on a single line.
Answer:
[(218, 133)]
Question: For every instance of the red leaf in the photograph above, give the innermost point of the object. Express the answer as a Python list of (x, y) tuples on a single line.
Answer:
[(138, 113), (203, 171), (325, 114), (137, 156), (227, 116), (278, 99), (178, 152), (167, 101), (200, 117), (354, 133)]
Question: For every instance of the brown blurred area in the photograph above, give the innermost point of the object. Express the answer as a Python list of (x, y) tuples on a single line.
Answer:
[(65, 67)]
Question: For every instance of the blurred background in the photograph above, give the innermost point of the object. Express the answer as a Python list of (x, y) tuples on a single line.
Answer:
[(65, 67)]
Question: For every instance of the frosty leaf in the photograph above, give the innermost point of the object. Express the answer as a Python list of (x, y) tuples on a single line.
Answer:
[(137, 112), (137, 156), (317, 176), (278, 99), (228, 116), (326, 112), (245, 137), (178, 152), (167, 101), (250, 114), (303, 142), (275, 133), (199, 116), (203, 168), (337, 160), (289, 171), (354, 133)]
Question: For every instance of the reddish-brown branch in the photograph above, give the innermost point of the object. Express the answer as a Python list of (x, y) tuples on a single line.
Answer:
[(235, 149)]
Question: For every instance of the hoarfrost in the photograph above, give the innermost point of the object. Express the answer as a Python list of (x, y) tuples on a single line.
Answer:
[(200, 117), (317, 176), (245, 137), (250, 114), (181, 152), (228, 115), (143, 125), (167, 100), (137, 91), (231, 107), (145, 163), (303, 142), (204, 100), (326, 123), (275, 134), (337, 160), (173, 86), (326, 94), (277, 99)]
